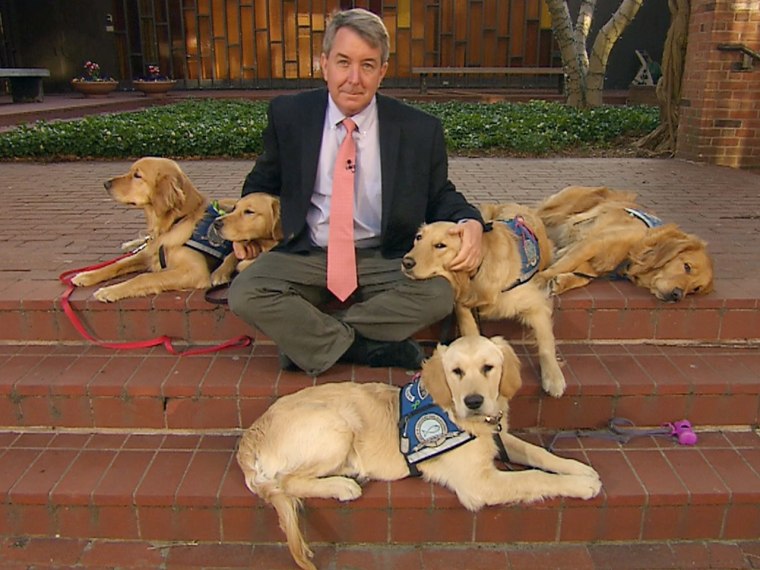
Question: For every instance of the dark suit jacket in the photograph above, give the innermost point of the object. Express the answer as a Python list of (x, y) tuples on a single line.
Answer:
[(414, 164)]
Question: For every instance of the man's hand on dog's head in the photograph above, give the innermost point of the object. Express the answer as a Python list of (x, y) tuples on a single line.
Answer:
[(471, 253)]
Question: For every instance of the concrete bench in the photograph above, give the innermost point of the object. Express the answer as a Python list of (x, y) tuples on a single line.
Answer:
[(26, 83), (423, 72)]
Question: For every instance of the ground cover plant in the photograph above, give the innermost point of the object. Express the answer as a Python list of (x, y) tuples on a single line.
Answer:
[(205, 128)]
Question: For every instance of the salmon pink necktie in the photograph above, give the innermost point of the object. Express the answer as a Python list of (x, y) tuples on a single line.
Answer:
[(341, 255)]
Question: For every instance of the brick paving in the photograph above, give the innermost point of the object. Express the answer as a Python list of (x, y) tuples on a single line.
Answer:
[(121, 455)]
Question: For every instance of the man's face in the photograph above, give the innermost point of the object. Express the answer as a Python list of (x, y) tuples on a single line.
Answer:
[(353, 71)]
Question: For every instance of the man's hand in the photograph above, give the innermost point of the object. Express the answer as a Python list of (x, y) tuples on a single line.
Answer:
[(246, 249), (470, 254)]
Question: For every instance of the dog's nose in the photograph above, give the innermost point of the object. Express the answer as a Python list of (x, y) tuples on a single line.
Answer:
[(408, 263), (676, 294), (473, 401), (107, 184)]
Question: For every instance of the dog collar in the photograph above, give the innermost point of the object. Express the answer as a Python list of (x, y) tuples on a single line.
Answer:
[(530, 254), (425, 429)]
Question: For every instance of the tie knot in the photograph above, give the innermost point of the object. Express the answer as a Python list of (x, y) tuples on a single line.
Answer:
[(349, 125)]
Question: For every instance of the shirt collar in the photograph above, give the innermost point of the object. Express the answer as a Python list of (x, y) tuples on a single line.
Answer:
[(362, 119)]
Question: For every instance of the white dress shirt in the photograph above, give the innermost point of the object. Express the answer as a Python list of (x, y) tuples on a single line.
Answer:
[(367, 181)]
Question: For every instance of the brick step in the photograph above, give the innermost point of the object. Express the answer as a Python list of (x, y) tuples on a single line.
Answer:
[(41, 552), (172, 487), (83, 386), (605, 310)]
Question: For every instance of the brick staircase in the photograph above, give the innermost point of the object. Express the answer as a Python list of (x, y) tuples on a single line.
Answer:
[(127, 456)]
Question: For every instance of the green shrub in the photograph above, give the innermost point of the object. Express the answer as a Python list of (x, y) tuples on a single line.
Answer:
[(231, 128)]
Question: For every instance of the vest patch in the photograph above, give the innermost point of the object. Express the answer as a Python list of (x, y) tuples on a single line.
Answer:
[(425, 430)]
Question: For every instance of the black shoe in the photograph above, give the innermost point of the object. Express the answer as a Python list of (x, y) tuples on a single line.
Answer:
[(406, 354), (287, 364)]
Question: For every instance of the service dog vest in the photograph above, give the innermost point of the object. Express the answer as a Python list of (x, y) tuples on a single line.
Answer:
[(425, 430), (649, 220), (530, 254), (207, 243)]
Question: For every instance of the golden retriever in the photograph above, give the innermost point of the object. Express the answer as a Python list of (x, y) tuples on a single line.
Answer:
[(255, 219), (171, 256), (325, 440), (602, 231), (495, 290)]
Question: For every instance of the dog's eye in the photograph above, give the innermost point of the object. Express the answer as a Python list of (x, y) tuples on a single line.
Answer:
[(687, 268), (486, 369), (440, 245), (418, 237), (458, 372), (249, 212), (137, 175), (696, 289)]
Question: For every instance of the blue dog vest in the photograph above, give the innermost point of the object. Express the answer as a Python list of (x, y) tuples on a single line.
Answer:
[(203, 242), (425, 430), (649, 220), (530, 254)]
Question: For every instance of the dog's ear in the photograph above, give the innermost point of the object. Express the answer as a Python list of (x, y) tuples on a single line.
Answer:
[(434, 378), (511, 381), (169, 194), (660, 246), (276, 222)]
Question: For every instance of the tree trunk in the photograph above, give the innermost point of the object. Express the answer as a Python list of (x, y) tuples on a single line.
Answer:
[(600, 52), (663, 139), (575, 72), (584, 73)]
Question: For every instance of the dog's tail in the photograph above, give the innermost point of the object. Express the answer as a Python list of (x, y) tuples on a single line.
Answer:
[(287, 510), (269, 489)]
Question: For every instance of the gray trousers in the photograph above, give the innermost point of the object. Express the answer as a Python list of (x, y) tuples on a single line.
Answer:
[(281, 295)]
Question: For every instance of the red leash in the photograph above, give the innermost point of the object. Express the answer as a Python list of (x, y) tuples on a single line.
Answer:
[(165, 341)]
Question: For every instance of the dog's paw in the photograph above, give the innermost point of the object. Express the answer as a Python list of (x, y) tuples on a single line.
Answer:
[(107, 295), (346, 489), (220, 277), (84, 279), (552, 380), (582, 487), (573, 467)]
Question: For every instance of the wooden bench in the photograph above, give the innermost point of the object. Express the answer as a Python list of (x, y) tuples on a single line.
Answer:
[(26, 82), (425, 71)]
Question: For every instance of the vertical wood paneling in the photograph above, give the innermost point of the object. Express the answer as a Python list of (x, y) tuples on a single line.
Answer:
[(269, 43)]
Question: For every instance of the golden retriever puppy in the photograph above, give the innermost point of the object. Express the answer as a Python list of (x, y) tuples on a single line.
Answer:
[(254, 219), (601, 231), (325, 440), (173, 252), (502, 287)]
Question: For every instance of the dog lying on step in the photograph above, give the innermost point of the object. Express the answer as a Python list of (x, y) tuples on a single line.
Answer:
[(175, 254), (515, 249), (325, 440), (600, 231)]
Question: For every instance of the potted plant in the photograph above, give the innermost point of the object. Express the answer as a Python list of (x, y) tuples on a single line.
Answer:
[(92, 83), (154, 83)]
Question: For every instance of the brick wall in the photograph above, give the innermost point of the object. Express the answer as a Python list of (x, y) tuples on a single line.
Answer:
[(720, 107)]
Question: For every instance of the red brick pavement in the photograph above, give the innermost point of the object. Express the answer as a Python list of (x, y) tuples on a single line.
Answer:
[(58, 216)]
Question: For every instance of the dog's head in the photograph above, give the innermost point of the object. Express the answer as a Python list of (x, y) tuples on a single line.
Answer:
[(671, 264), (473, 377), (255, 216), (433, 251), (157, 185)]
